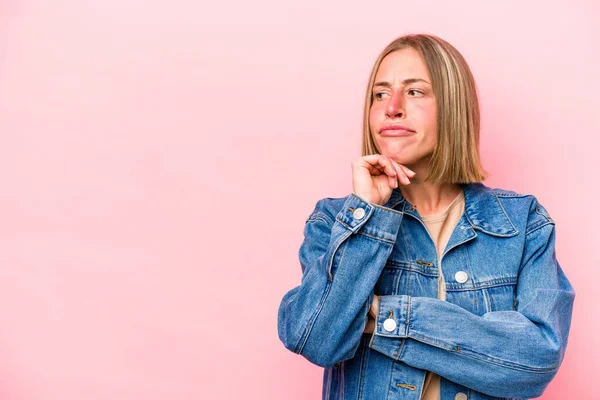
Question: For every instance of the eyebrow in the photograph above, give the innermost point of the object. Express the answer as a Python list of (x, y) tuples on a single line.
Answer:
[(404, 82)]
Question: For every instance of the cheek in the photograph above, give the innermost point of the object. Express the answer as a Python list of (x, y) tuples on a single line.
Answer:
[(373, 111), (427, 114), (372, 117), (432, 113)]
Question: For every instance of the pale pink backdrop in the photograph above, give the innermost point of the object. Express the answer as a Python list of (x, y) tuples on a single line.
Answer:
[(159, 158)]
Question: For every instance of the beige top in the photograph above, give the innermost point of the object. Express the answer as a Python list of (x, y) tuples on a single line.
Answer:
[(440, 227)]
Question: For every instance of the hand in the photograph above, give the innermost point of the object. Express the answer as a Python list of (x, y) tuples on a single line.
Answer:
[(374, 177), (371, 315)]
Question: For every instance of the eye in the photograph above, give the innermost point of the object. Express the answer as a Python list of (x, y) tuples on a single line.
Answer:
[(376, 95), (416, 91)]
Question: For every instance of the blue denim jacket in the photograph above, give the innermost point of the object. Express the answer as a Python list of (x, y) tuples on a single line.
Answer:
[(501, 332)]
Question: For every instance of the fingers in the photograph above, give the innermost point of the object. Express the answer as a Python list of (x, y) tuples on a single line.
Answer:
[(403, 172), (390, 170), (371, 162), (370, 326), (374, 306), (409, 172), (383, 164)]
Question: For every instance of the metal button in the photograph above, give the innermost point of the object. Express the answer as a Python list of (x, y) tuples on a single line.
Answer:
[(460, 396), (359, 213), (389, 324), (461, 277)]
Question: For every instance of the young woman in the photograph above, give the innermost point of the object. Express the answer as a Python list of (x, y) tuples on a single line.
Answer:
[(424, 283)]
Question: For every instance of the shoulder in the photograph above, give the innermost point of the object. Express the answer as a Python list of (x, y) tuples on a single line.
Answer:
[(506, 193), (523, 206)]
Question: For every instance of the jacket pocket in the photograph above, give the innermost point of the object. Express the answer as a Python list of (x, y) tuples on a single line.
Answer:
[(409, 278), (499, 297), (390, 281)]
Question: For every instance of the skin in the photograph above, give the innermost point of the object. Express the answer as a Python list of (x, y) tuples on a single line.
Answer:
[(412, 104)]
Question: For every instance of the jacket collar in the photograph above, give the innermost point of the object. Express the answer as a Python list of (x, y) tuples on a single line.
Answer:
[(483, 210)]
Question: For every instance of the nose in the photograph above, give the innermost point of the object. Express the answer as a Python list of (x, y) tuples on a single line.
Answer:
[(395, 105)]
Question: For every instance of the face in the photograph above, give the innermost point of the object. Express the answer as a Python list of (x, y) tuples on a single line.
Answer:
[(403, 96)]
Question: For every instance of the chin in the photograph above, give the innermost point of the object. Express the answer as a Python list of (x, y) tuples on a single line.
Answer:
[(398, 155), (406, 160)]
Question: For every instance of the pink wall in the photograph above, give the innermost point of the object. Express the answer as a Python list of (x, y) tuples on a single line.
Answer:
[(158, 160)]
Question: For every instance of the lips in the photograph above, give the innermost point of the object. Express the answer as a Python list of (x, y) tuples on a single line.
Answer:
[(396, 130)]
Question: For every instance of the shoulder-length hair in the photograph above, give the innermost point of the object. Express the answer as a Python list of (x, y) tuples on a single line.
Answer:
[(455, 158)]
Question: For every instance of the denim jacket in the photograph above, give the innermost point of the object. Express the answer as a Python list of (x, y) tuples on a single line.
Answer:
[(501, 333)]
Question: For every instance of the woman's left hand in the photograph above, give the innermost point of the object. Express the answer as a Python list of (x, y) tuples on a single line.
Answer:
[(372, 314)]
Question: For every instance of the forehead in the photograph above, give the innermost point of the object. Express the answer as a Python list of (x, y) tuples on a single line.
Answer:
[(402, 64)]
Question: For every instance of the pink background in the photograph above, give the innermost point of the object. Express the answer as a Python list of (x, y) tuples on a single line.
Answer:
[(158, 160)]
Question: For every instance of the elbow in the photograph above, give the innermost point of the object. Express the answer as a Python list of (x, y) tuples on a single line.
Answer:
[(318, 352), (287, 330), (292, 331), (319, 359), (517, 383), (323, 356), (322, 341), (527, 381), (524, 371), (543, 375), (533, 384), (536, 364), (320, 355), (326, 347)]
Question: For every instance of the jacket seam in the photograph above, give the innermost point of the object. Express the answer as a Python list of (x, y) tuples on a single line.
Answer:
[(537, 225), (311, 322), (364, 360), (336, 246), (509, 281), (507, 364), (387, 209), (408, 310), (315, 216), (505, 214), (402, 341), (434, 342), (483, 357), (320, 217), (364, 233)]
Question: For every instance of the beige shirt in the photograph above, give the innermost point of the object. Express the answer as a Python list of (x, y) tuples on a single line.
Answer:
[(440, 227)]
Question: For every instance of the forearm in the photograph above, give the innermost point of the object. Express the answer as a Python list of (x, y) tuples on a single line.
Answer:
[(501, 353), (323, 318)]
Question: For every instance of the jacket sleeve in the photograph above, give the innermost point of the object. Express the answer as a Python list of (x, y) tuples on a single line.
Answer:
[(341, 258), (511, 353)]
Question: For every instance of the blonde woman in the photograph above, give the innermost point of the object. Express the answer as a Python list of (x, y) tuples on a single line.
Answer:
[(424, 283)]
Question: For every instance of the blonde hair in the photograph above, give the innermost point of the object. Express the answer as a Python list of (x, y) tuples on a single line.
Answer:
[(455, 158)]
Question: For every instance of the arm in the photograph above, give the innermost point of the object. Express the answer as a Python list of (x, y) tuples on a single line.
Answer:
[(502, 353), (341, 258)]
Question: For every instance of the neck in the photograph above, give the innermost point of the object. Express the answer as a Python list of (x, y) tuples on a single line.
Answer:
[(426, 197)]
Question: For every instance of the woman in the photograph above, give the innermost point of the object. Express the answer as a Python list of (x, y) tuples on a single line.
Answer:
[(424, 283)]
